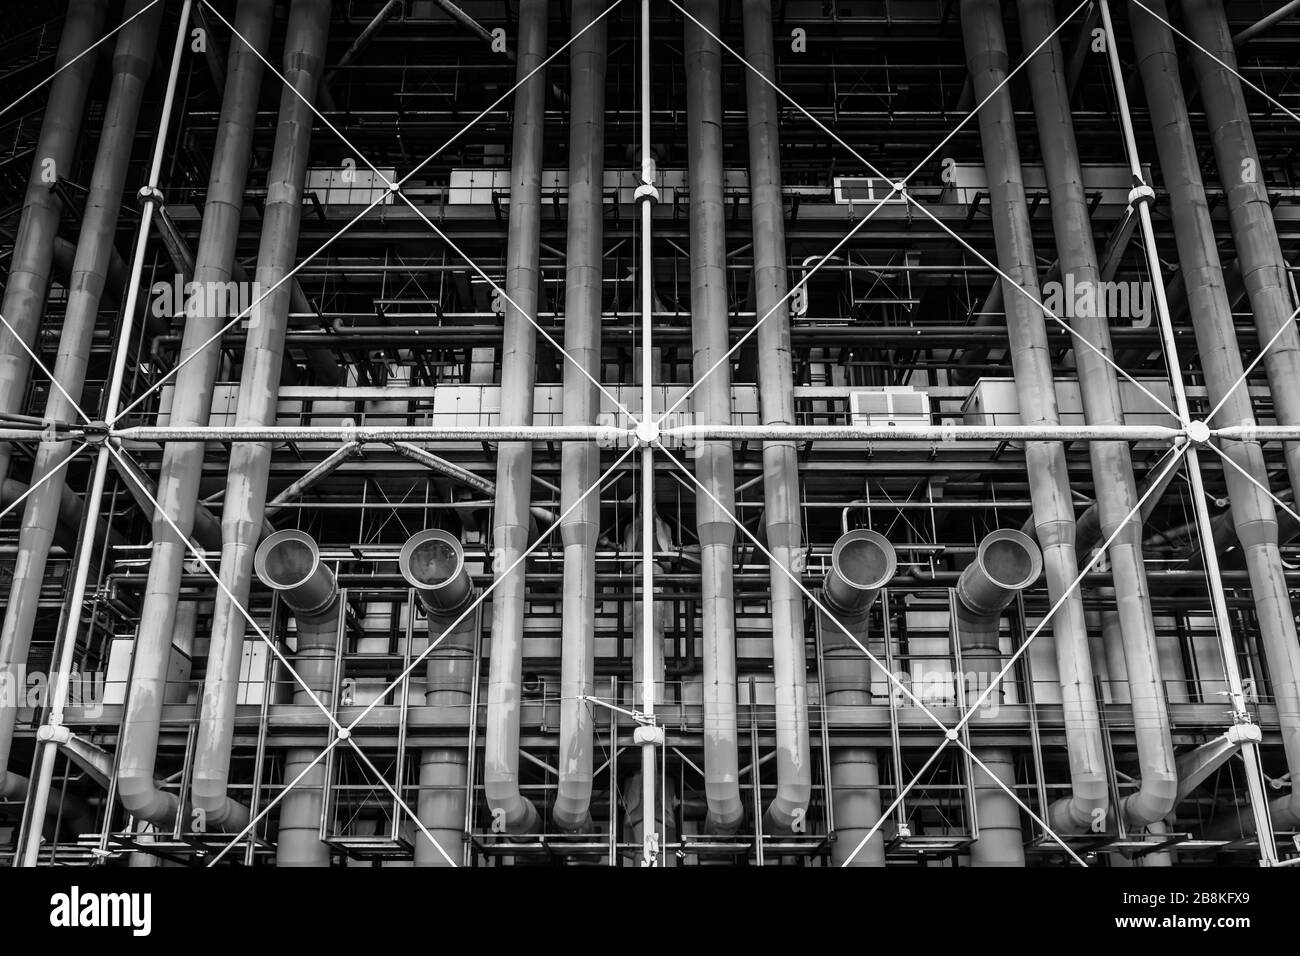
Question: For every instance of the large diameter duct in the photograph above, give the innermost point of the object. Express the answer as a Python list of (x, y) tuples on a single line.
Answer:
[(132, 59), (580, 461), (33, 245), (776, 396), (1259, 254), (1045, 464), (434, 564), (862, 563), (182, 462), (241, 520), (1006, 563), (289, 562), (714, 463), (1112, 462), (1221, 366), (511, 811)]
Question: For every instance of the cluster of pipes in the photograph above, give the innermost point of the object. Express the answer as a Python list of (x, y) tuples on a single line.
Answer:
[(863, 562)]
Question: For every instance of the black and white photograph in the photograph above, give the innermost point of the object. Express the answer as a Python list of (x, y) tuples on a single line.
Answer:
[(539, 435)]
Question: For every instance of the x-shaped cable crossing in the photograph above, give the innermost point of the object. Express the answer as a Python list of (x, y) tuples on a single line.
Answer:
[(899, 188)]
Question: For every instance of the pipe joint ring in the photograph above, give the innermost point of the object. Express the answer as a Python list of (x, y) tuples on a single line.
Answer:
[(646, 192), (1141, 193), (151, 195)]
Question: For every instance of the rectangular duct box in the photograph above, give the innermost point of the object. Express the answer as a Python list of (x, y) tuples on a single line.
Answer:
[(889, 406), (993, 401), (864, 190), (352, 186)]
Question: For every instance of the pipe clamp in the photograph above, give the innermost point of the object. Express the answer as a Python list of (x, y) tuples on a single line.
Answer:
[(648, 734), (151, 194), (646, 191), (54, 733), (1141, 193)]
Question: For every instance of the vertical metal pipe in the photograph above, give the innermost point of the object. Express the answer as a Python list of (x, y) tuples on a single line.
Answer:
[(776, 395), (1112, 463), (241, 520), (132, 60), (1045, 464), (33, 247), (1006, 563), (54, 732), (712, 406), (580, 461), (182, 462), (1220, 356), (862, 562), (1259, 253), (434, 564), (511, 811), (289, 562)]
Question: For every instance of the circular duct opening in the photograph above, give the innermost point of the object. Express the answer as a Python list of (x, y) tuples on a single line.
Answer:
[(864, 559), (286, 559), (1011, 559), (431, 560)]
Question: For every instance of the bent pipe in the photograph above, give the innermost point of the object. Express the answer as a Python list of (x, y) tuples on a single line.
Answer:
[(1220, 356), (132, 60), (245, 500), (776, 396), (511, 811), (580, 461), (28, 280), (182, 462), (862, 562), (714, 463), (289, 562), (1112, 462), (1045, 462), (1006, 563), (433, 563)]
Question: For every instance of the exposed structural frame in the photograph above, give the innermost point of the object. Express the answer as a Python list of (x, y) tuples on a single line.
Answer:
[(648, 436)]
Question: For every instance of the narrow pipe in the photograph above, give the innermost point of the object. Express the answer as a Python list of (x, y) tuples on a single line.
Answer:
[(1259, 254), (1006, 563), (182, 462), (241, 520), (1221, 364), (658, 616), (132, 60), (1045, 464), (712, 406), (1263, 25), (322, 470), (289, 562), (434, 564), (511, 811), (38, 227), (862, 562), (1112, 462), (580, 461), (776, 395)]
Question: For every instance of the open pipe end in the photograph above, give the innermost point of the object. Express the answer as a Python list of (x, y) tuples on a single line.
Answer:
[(862, 562), (433, 563), (289, 561), (1008, 561)]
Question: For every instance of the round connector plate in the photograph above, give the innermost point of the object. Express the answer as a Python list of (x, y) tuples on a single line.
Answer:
[(1198, 432)]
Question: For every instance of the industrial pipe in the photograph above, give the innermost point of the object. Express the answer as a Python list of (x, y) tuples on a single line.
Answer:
[(862, 562), (33, 244), (182, 462), (1112, 462), (241, 520), (1045, 464), (711, 401), (434, 564), (289, 562), (132, 60), (1006, 563), (580, 462), (776, 396), (1222, 367), (511, 811)]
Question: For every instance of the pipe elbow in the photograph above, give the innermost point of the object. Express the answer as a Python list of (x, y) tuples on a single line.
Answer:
[(140, 796), (1084, 811), (785, 814), (1156, 798), (217, 811), (511, 811), (572, 811), (726, 812)]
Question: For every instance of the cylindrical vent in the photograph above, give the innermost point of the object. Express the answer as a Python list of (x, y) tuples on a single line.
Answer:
[(434, 564), (289, 561), (1008, 561), (862, 563)]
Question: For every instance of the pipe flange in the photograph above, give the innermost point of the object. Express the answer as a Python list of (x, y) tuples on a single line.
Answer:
[(1198, 432), (1141, 193), (150, 194), (95, 433), (646, 192), (647, 433)]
